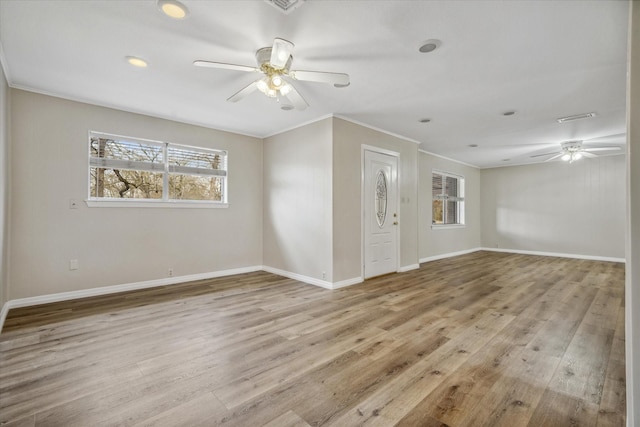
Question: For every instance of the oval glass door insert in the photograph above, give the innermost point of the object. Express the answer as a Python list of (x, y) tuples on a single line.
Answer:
[(381, 198)]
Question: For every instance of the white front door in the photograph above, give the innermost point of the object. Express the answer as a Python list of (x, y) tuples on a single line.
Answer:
[(380, 214)]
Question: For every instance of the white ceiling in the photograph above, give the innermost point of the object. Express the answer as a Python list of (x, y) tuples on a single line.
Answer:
[(543, 59)]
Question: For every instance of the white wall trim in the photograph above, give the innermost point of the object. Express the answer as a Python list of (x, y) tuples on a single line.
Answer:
[(348, 282), (448, 158), (299, 277), (308, 122), (556, 254), (131, 110), (449, 255), (364, 125), (5, 65), (409, 267), (106, 290)]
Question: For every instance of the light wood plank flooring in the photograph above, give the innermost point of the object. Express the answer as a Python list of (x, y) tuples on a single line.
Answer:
[(485, 339)]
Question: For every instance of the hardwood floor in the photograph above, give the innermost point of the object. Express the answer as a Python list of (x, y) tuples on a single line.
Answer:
[(485, 339)]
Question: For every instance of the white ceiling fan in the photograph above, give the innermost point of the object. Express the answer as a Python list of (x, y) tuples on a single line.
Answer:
[(571, 151), (275, 62)]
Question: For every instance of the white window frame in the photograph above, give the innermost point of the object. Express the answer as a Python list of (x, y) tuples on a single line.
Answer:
[(164, 168), (460, 201)]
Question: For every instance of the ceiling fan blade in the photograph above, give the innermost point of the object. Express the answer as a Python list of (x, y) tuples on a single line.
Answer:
[(554, 157), (222, 65), (589, 155), (296, 99), (545, 154), (339, 79), (603, 148), (618, 138), (243, 92), (280, 53)]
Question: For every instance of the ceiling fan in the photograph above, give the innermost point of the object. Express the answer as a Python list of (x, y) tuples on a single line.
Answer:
[(275, 62), (570, 151)]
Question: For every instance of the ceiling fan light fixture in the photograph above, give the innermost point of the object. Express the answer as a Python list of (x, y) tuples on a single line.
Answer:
[(577, 156), (566, 157), (271, 93), (285, 89), (277, 81), (263, 85), (173, 9)]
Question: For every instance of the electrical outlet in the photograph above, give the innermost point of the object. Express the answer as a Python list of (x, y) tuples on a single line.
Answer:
[(73, 264), (170, 272), (324, 275)]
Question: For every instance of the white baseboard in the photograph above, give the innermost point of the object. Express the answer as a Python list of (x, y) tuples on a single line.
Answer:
[(556, 254), (299, 277), (409, 267), (348, 282), (449, 255), (106, 290)]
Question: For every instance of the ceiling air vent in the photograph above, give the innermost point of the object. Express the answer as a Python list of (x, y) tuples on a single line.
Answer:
[(285, 6), (577, 117)]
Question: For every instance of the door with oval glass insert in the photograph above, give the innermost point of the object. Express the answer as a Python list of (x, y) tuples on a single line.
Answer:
[(380, 214)]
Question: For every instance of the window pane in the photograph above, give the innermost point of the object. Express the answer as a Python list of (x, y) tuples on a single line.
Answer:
[(125, 150), (182, 157), (436, 184), (452, 186), (437, 214), (195, 187), (127, 167), (452, 212), (125, 184)]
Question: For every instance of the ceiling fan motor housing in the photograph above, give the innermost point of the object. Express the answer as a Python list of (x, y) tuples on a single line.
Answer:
[(572, 146), (263, 58)]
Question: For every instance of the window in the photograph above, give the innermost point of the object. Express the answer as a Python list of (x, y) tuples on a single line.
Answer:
[(123, 168), (448, 199)]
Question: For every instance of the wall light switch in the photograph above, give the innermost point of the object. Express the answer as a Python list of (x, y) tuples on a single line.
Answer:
[(73, 264)]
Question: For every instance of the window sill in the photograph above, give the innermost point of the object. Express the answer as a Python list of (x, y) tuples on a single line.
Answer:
[(446, 226), (154, 204)]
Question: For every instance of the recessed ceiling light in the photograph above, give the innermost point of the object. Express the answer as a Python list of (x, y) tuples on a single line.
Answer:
[(137, 62), (505, 160), (576, 117), (341, 85), (429, 46), (508, 113), (287, 107), (424, 120), (173, 8), (473, 145)]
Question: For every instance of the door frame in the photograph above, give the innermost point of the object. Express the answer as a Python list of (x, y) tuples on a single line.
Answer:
[(363, 149)]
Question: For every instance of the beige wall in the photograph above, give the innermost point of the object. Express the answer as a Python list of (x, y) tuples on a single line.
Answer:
[(298, 200), (348, 139), (117, 245), (4, 184), (556, 207), (434, 241), (633, 221)]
